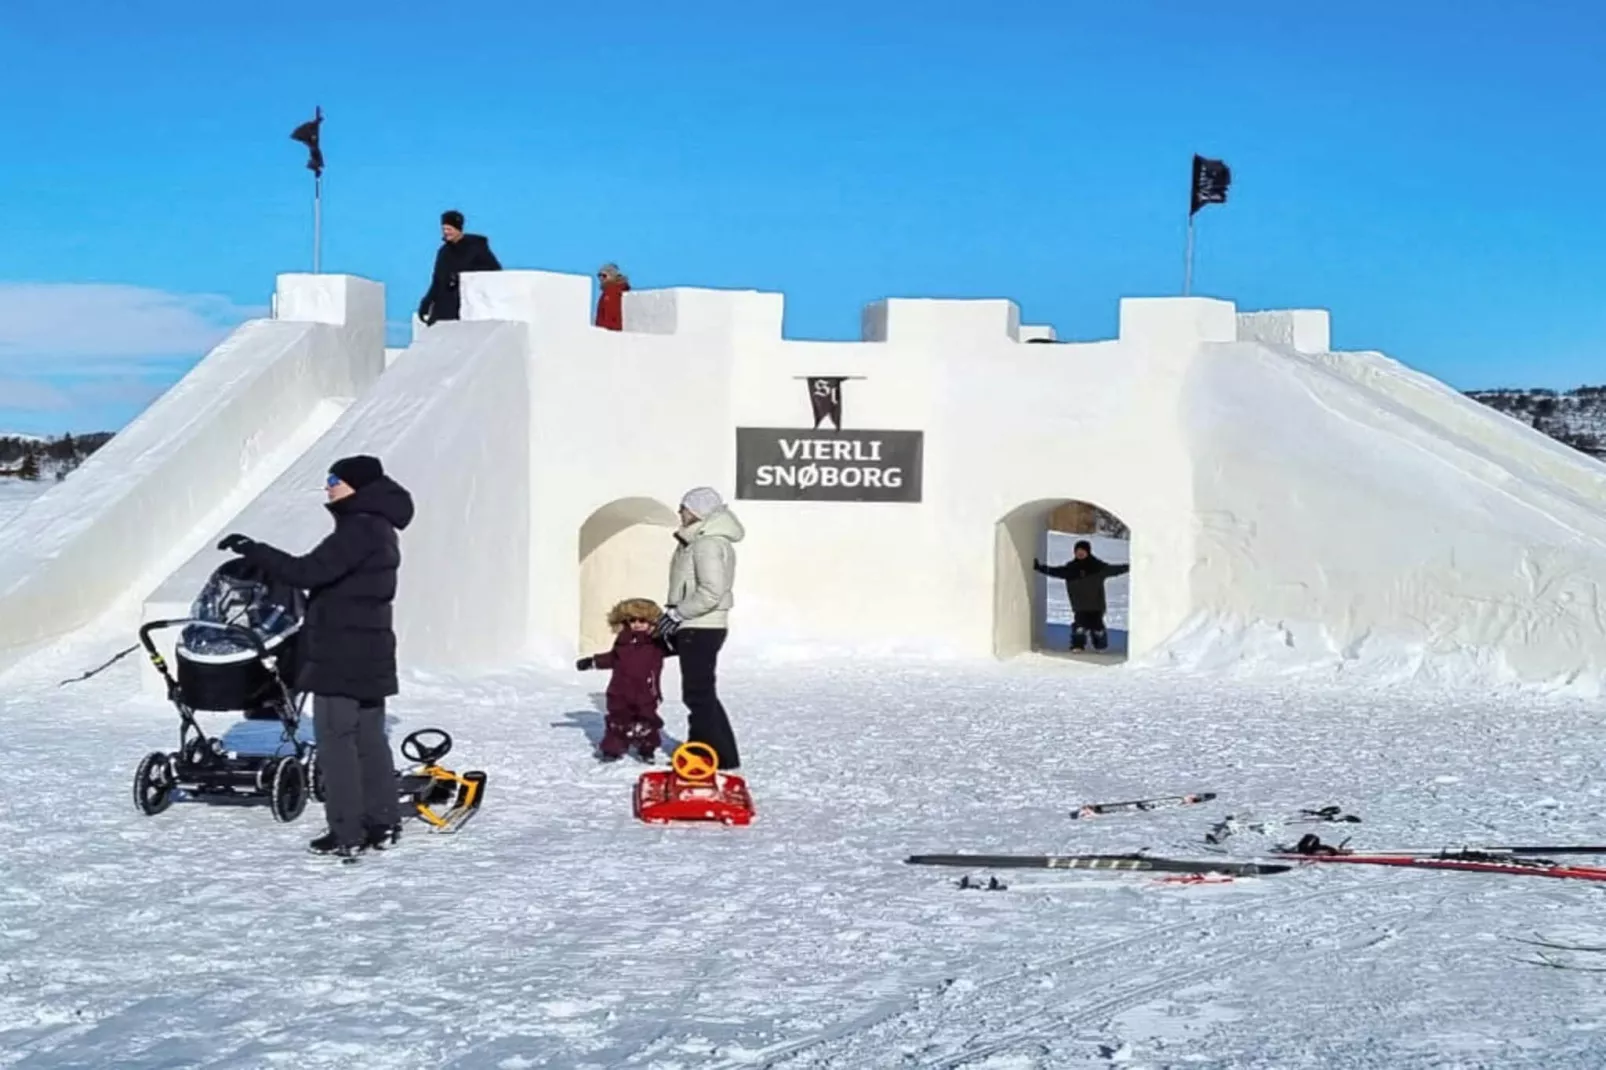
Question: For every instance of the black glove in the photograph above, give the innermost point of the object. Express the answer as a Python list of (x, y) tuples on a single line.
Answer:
[(668, 624), (585, 663), (235, 544)]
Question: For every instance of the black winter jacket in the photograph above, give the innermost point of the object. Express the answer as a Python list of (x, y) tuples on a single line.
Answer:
[(348, 640), (1084, 581), (444, 301)]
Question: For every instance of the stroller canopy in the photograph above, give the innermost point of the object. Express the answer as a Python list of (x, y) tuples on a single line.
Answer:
[(239, 594)]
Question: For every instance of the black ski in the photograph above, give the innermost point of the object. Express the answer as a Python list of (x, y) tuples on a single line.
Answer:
[(1106, 862), (1156, 803)]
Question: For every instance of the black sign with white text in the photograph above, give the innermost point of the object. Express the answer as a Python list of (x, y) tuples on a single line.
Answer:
[(793, 465)]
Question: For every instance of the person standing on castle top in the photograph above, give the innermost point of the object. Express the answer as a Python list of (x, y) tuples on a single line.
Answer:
[(1084, 577), (696, 616), (611, 302), (458, 253)]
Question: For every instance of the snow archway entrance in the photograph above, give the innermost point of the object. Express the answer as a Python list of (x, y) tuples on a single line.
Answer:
[(1030, 611), (624, 553)]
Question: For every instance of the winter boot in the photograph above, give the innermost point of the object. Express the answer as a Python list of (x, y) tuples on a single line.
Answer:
[(380, 839), (328, 845)]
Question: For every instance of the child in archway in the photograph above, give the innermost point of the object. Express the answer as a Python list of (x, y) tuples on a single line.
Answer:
[(634, 691), (1084, 577)]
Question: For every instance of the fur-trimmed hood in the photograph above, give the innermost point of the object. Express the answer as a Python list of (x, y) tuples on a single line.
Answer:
[(631, 609)]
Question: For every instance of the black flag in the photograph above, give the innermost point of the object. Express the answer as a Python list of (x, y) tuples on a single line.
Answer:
[(825, 394), (307, 134), (1210, 181)]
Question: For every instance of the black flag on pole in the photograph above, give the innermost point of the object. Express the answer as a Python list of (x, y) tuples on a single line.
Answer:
[(1210, 181), (307, 134)]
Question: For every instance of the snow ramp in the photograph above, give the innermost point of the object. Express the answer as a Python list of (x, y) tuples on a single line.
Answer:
[(99, 540), (1349, 515), (450, 419)]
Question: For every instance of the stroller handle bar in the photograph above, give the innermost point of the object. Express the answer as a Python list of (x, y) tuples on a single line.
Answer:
[(232, 629)]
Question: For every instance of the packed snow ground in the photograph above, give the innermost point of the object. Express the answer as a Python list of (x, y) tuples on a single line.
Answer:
[(556, 931)]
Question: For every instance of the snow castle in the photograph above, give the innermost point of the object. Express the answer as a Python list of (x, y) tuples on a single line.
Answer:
[(1289, 505)]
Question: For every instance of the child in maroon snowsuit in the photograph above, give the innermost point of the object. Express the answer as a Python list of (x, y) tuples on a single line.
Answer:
[(634, 691)]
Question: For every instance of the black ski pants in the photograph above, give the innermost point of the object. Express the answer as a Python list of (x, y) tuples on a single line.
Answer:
[(1086, 624), (358, 773), (706, 721)]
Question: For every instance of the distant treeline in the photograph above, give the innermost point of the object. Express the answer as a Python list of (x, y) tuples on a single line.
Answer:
[(47, 458), (1575, 417)]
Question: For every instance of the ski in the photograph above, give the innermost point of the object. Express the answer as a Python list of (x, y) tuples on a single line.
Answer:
[(1105, 862), (1466, 861), (1156, 803), (1557, 945)]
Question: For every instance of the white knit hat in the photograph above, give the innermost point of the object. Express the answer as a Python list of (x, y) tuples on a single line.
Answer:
[(702, 502)]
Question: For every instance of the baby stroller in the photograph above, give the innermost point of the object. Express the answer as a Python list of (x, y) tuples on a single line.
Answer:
[(237, 652)]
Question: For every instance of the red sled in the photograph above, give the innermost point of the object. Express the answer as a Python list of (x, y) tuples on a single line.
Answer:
[(693, 789)]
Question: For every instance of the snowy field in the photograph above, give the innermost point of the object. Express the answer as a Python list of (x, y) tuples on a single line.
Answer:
[(16, 493), (555, 931)]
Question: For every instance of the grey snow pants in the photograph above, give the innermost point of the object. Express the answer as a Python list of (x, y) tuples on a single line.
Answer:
[(358, 773)]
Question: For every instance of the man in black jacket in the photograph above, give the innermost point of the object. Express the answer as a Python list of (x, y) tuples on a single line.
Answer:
[(348, 648), (458, 253), (1084, 577)]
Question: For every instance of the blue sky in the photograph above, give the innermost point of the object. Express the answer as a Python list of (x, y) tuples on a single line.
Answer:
[(1432, 172)]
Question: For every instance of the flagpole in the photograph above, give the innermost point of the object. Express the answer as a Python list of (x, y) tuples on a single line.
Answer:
[(1187, 261), (317, 223)]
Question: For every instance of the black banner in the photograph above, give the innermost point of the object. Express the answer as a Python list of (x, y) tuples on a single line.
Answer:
[(794, 465), (1210, 181), (825, 395)]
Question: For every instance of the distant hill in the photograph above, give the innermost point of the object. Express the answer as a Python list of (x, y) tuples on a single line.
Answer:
[(1576, 417), (31, 457)]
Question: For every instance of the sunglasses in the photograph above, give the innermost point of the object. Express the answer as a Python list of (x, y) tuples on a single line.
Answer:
[(332, 482)]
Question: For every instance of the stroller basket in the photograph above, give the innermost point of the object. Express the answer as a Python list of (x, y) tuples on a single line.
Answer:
[(237, 679)]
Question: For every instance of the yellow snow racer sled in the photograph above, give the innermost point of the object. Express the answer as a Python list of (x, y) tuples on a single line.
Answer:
[(440, 798)]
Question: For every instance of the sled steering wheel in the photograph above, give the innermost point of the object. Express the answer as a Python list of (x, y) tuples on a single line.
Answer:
[(415, 749), (689, 764)]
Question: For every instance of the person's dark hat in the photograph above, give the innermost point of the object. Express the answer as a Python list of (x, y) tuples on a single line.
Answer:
[(357, 472), (1083, 544), (452, 218)]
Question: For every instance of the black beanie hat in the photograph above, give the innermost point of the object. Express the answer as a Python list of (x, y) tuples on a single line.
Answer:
[(452, 218), (357, 472), (1083, 544)]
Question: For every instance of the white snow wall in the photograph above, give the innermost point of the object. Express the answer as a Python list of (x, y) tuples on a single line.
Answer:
[(450, 421), (92, 541)]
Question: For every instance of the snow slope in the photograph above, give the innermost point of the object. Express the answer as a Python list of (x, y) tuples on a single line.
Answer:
[(89, 543), (1343, 528), (466, 603), (556, 931)]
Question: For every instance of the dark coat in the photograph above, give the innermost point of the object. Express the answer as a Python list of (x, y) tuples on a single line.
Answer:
[(637, 661), (1084, 581), (348, 640), (444, 301)]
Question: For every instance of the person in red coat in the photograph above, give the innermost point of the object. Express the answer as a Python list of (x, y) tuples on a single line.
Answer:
[(611, 304), (634, 691)]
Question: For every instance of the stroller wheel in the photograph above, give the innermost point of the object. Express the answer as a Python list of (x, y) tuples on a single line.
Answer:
[(315, 775), (289, 790), (153, 784)]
